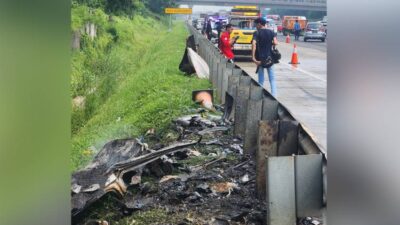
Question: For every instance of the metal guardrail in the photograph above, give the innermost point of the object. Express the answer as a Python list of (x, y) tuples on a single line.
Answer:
[(291, 168)]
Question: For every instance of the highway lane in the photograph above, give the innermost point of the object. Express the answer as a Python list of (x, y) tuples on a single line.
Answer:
[(314, 44)]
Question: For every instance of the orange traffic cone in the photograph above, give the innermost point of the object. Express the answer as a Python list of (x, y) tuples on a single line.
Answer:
[(295, 59), (288, 39), (204, 97)]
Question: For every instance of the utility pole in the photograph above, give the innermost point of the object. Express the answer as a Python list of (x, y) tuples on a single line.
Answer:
[(170, 23)]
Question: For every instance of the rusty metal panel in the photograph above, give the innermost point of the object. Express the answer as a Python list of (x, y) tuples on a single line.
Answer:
[(253, 116), (242, 96), (309, 186), (287, 138), (267, 146), (280, 191)]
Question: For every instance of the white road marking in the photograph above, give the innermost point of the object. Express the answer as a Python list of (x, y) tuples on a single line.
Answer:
[(304, 71)]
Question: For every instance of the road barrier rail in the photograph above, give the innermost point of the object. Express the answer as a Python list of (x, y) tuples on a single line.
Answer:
[(290, 164)]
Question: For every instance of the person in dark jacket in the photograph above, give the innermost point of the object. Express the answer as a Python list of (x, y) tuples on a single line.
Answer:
[(263, 39), (209, 29), (218, 26)]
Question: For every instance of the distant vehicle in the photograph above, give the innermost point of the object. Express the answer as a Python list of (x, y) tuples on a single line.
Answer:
[(289, 21), (272, 26), (277, 20), (242, 18), (315, 30)]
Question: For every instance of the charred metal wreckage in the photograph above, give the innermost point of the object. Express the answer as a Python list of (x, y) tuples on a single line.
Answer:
[(121, 163)]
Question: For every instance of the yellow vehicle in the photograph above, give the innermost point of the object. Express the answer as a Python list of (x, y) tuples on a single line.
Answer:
[(242, 18)]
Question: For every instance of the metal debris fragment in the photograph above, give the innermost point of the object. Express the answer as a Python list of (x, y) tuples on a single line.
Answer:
[(136, 180), (168, 177), (91, 188), (245, 179), (76, 188)]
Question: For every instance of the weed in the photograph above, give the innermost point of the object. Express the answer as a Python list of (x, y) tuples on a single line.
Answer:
[(129, 88)]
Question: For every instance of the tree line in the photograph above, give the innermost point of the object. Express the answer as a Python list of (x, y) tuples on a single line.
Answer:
[(127, 7)]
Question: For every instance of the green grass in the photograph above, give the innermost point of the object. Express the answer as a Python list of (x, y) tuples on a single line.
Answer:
[(147, 90)]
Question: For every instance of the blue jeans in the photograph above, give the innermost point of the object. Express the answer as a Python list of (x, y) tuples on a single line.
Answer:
[(271, 76)]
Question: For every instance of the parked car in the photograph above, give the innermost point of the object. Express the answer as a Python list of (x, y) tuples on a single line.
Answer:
[(314, 30)]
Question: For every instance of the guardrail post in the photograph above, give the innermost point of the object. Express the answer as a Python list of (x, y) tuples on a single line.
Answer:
[(293, 188), (309, 189), (242, 97), (280, 190), (221, 70), (233, 84), (218, 69), (212, 65), (254, 113), (225, 79), (287, 138), (306, 144), (267, 146), (270, 107)]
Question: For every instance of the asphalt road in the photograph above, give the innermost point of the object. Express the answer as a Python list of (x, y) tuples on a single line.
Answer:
[(314, 44)]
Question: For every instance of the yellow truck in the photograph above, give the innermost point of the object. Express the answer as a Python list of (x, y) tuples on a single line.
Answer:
[(242, 18)]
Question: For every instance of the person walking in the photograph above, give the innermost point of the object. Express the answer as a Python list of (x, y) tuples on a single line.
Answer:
[(218, 26), (209, 29), (297, 30), (226, 43), (263, 39)]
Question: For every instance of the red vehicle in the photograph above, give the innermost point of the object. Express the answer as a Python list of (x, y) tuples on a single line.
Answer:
[(277, 20)]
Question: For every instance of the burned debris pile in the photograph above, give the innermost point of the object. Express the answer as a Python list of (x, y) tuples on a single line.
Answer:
[(200, 178)]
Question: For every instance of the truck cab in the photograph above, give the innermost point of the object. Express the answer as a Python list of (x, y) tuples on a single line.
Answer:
[(242, 18), (289, 21)]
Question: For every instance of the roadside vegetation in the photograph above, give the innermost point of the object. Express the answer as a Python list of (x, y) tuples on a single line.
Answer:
[(125, 80)]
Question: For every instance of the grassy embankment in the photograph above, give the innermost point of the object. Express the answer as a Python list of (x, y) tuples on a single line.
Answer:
[(130, 79)]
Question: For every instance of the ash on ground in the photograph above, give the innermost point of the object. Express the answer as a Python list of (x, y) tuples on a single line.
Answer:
[(211, 182)]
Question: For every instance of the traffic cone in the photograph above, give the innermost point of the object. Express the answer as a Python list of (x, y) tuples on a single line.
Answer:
[(295, 59), (204, 97), (288, 39)]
